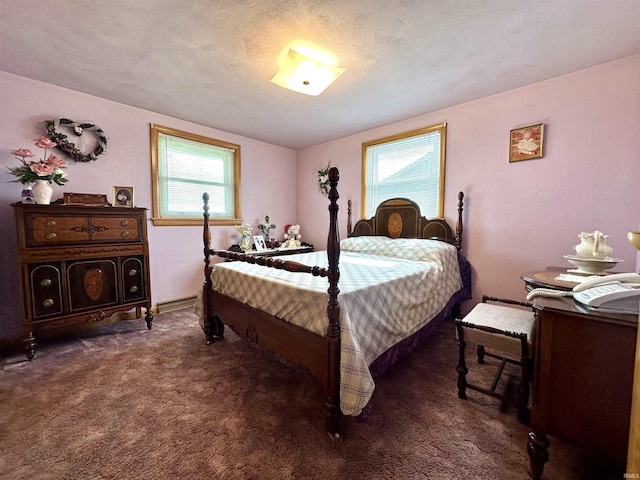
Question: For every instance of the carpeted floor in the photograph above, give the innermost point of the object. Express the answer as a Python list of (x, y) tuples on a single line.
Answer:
[(122, 402)]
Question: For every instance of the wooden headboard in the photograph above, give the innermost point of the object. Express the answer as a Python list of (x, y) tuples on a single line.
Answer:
[(401, 218)]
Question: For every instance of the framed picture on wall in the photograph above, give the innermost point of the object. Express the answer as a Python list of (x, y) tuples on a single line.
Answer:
[(526, 143), (122, 197)]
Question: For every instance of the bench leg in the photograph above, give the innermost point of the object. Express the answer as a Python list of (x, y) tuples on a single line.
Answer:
[(481, 353), (461, 368)]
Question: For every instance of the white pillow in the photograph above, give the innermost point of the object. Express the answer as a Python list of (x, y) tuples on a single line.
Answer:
[(408, 248)]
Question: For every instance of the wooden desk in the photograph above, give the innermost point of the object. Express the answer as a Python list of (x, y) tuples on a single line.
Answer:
[(583, 380)]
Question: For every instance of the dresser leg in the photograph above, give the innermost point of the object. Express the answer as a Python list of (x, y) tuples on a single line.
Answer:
[(30, 346), (538, 449), (149, 318)]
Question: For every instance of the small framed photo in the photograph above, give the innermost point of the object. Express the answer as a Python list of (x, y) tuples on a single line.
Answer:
[(526, 143), (259, 242), (123, 196)]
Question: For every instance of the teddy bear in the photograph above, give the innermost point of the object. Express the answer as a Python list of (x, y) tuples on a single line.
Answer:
[(245, 242), (291, 236)]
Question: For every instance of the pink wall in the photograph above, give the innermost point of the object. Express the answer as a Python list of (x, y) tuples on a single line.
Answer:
[(518, 217), (175, 252), (526, 215)]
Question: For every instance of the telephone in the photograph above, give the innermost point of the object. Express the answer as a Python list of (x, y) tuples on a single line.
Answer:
[(618, 293)]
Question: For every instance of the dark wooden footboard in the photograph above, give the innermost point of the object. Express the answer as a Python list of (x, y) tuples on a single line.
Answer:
[(321, 354)]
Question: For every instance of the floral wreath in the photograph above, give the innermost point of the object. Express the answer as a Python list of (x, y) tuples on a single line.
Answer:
[(323, 180), (78, 128)]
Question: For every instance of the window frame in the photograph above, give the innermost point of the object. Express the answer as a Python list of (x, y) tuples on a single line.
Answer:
[(157, 218), (442, 128)]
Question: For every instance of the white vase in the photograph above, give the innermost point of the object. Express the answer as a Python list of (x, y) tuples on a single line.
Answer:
[(42, 192)]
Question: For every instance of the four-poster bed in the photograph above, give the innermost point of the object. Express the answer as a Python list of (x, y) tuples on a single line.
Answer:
[(397, 284)]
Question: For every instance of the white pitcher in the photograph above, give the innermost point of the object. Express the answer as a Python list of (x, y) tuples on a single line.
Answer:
[(593, 245)]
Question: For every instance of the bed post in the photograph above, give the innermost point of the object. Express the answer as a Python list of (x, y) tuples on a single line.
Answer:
[(459, 226), (349, 218), (206, 238), (332, 387)]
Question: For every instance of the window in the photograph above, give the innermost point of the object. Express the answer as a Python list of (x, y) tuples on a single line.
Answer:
[(409, 165), (184, 166)]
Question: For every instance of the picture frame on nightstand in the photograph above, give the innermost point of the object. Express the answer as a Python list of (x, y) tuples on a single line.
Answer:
[(259, 242)]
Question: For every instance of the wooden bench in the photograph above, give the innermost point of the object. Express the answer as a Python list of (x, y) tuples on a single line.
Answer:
[(508, 331)]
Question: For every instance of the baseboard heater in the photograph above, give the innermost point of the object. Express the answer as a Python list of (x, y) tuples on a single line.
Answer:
[(188, 302)]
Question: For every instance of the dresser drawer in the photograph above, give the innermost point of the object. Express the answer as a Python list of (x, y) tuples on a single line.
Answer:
[(133, 275), (46, 289), (92, 284), (121, 229), (73, 230), (56, 230)]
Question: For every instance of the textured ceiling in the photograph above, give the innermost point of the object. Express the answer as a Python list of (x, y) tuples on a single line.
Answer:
[(210, 62)]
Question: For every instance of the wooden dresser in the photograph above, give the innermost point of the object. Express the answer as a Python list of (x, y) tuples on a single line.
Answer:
[(80, 264)]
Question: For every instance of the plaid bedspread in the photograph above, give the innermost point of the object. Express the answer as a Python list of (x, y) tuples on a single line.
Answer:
[(383, 300)]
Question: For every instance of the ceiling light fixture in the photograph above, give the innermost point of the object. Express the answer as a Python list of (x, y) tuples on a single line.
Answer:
[(304, 74)]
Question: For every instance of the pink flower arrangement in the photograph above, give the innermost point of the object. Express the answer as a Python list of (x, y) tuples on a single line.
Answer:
[(48, 168)]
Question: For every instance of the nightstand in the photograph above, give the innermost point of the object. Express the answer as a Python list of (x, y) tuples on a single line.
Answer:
[(583, 380), (274, 252)]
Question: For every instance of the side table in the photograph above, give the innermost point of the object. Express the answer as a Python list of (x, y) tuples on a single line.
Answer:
[(275, 252), (582, 381), (547, 279)]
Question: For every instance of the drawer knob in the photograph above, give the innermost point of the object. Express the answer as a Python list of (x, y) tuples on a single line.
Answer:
[(124, 223), (133, 272), (46, 282), (133, 289), (50, 223), (48, 302), (125, 234), (51, 236)]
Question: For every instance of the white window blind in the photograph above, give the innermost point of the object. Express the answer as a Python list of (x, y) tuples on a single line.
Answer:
[(410, 167), (187, 168), (184, 166)]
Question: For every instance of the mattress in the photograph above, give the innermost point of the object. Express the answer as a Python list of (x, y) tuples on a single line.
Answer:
[(389, 289)]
